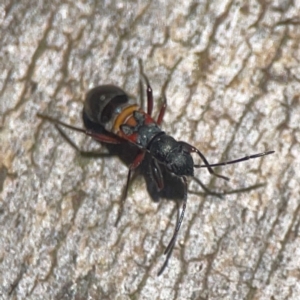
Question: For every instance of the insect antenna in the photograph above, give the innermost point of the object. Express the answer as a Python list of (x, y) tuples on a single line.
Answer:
[(247, 157), (191, 149)]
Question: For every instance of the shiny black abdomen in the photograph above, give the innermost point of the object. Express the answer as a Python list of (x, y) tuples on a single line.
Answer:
[(102, 104)]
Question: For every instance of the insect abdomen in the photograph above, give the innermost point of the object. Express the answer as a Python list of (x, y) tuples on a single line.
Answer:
[(107, 106)]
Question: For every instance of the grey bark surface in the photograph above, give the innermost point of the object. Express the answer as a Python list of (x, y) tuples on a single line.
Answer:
[(231, 72)]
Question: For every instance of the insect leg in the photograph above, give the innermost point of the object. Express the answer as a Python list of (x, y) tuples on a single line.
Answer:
[(97, 136), (162, 111), (149, 98), (157, 175), (95, 154), (149, 91), (137, 161)]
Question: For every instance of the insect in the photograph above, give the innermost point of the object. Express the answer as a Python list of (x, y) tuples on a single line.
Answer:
[(110, 116)]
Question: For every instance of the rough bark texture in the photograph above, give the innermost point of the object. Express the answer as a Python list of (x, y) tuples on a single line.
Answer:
[(231, 71)]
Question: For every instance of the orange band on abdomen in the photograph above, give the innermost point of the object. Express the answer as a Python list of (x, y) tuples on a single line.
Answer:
[(123, 116)]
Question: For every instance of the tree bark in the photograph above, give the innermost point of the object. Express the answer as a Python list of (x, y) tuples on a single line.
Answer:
[(230, 71)]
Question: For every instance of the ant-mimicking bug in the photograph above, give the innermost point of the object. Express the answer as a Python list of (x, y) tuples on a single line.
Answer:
[(110, 116)]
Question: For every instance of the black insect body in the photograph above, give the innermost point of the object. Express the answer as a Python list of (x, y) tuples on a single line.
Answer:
[(110, 116)]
